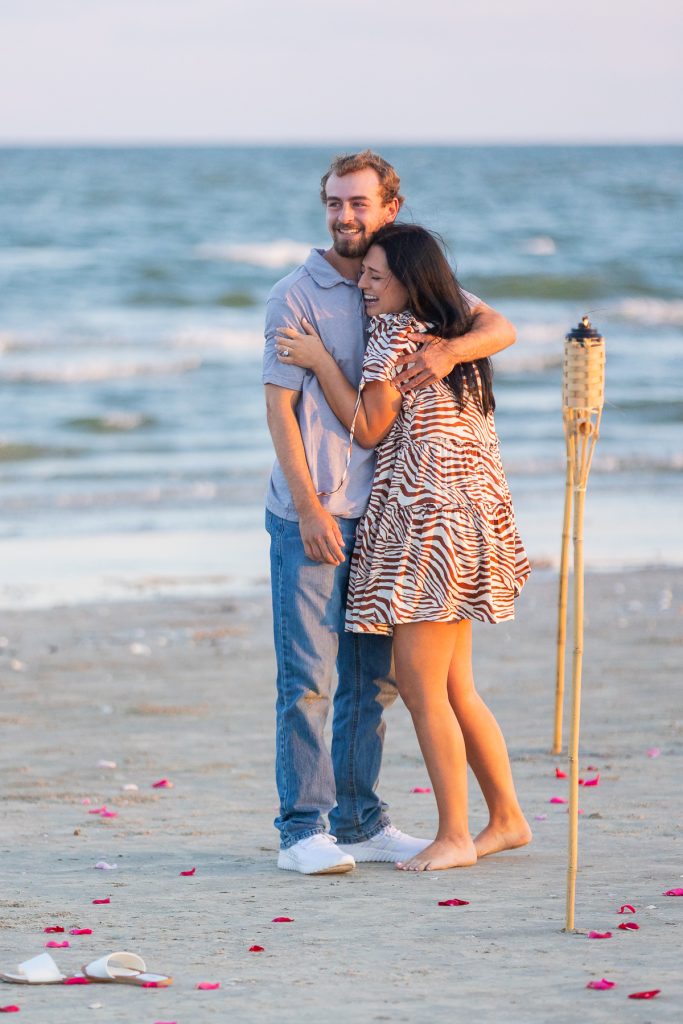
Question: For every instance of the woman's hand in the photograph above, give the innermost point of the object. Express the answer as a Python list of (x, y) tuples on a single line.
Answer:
[(297, 349)]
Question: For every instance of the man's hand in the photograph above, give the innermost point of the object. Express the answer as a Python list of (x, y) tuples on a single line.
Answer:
[(430, 363), (322, 538)]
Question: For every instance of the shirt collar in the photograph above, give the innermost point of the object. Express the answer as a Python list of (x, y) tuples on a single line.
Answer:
[(322, 272)]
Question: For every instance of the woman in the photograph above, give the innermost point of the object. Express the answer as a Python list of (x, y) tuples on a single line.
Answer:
[(438, 545)]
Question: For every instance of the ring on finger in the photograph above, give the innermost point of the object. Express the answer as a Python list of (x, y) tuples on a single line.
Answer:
[(284, 352)]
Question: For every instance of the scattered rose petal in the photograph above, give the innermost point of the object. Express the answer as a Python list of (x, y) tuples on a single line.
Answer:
[(208, 986), (420, 789), (650, 994), (162, 784), (629, 926), (559, 774), (187, 874), (12, 1008), (653, 752), (98, 810), (282, 920), (85, 800), (627, 908), (257, 949), (582, 782), (599, 935), (57, 945), (130, 787), (109, 814), (101, 902), (103, 866), (54, 929), (152, 984), (77, 979), (591, 768), (80, 931), (453, 903), (540, 817), (106, 764), (557, 800), (673, 892), (593, 782), (602, 984)]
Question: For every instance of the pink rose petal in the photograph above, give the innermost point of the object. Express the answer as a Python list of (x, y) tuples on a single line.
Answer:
[(162, 784), (187, 874), (86, 800), (77, 979), (80, 931), (650, 994), (12, 1008), (109, 814), (103, 866), (256, 949), (540, 817), (629, 926), (208, 986), (653, 752), (559, 774), (453, 903), (599, 935), (101, 902), (602, 984), (627, 908), (54, 929), (593, 782), (420, 789), (557, 800), (282, 920), (98, 810), (673, 892), (57, 945)]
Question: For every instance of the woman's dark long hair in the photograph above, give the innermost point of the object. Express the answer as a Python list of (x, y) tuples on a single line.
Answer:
[(417, 259)]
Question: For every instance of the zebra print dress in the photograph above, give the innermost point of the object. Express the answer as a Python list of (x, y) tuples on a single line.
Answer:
[(438, 541)]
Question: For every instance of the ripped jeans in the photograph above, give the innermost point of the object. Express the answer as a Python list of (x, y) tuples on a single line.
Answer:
[(309, 599)]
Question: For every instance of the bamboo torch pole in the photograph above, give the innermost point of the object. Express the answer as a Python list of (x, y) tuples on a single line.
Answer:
[(584, 389), (562, 609)]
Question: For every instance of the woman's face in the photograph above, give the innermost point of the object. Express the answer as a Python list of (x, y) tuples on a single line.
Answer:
[(382, 292)]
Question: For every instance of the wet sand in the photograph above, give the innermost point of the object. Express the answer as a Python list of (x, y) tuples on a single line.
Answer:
[(183, 690)]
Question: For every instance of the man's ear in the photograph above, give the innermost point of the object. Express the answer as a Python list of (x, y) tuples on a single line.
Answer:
[(392, 209)]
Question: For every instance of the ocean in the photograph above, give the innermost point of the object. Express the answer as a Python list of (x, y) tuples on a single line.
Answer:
[(134, 453)]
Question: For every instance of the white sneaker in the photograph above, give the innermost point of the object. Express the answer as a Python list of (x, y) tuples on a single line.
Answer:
[(389, 845), (316, 855)]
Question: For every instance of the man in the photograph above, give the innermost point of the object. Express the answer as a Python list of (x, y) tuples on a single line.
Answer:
[(311, 518)]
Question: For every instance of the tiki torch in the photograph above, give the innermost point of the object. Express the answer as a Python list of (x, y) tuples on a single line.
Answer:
[(583, 398)]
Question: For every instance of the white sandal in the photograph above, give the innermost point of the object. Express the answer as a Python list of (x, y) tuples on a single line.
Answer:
[(126, 969), (41, 970)]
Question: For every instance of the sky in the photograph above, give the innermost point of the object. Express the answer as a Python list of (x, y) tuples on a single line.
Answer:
[(319, 71)]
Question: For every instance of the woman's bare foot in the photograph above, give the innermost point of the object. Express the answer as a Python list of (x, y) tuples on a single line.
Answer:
[(442, 854), (497, 837)]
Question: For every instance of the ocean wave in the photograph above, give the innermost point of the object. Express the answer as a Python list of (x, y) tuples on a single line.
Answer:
[(275, 255), (651, 311), (539, 245), (218, 339), (95, 370), (45, 257), (21, 452), (110, 423), (603, 464)]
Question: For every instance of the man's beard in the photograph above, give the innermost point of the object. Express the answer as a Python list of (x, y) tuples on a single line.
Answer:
[(351, 246)]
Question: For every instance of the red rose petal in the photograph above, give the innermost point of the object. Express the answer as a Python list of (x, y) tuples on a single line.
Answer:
[(152, 984), (187, 874), (57, 945), (162, 784), (629, 926), (453, 903), (282, 920), (98, 810), (673, 892), (591, 768), (80, 931), (593, 782), (650, 994), (627, 908), (559, 774), (109, 814), (257, 949), (101, 902), (77, 980), (53, 929), (557, 800), (208, 986), (599, 935), (582, 782), (9, 1009), (420, 789), (602, 984)]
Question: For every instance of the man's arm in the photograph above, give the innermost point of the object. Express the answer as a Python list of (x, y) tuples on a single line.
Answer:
[(490, 333), (320, 533)]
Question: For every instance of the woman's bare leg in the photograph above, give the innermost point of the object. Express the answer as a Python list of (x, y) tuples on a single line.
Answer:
[(486, 753), (423, 652)]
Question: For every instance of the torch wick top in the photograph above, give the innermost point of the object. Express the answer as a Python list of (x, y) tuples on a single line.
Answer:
[(586, 322)]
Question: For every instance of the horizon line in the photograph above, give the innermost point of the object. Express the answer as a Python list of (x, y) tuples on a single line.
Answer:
[(170, 143)]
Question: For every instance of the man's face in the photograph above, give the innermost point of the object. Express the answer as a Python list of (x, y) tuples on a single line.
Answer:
[(355, 211)]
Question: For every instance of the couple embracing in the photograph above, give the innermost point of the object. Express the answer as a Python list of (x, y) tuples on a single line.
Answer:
[(391, 523)]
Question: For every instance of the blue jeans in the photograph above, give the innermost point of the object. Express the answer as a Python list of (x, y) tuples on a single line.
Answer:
[(309, 600)]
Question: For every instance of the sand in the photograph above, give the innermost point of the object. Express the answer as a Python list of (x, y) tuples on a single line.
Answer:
[(183, 690)]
